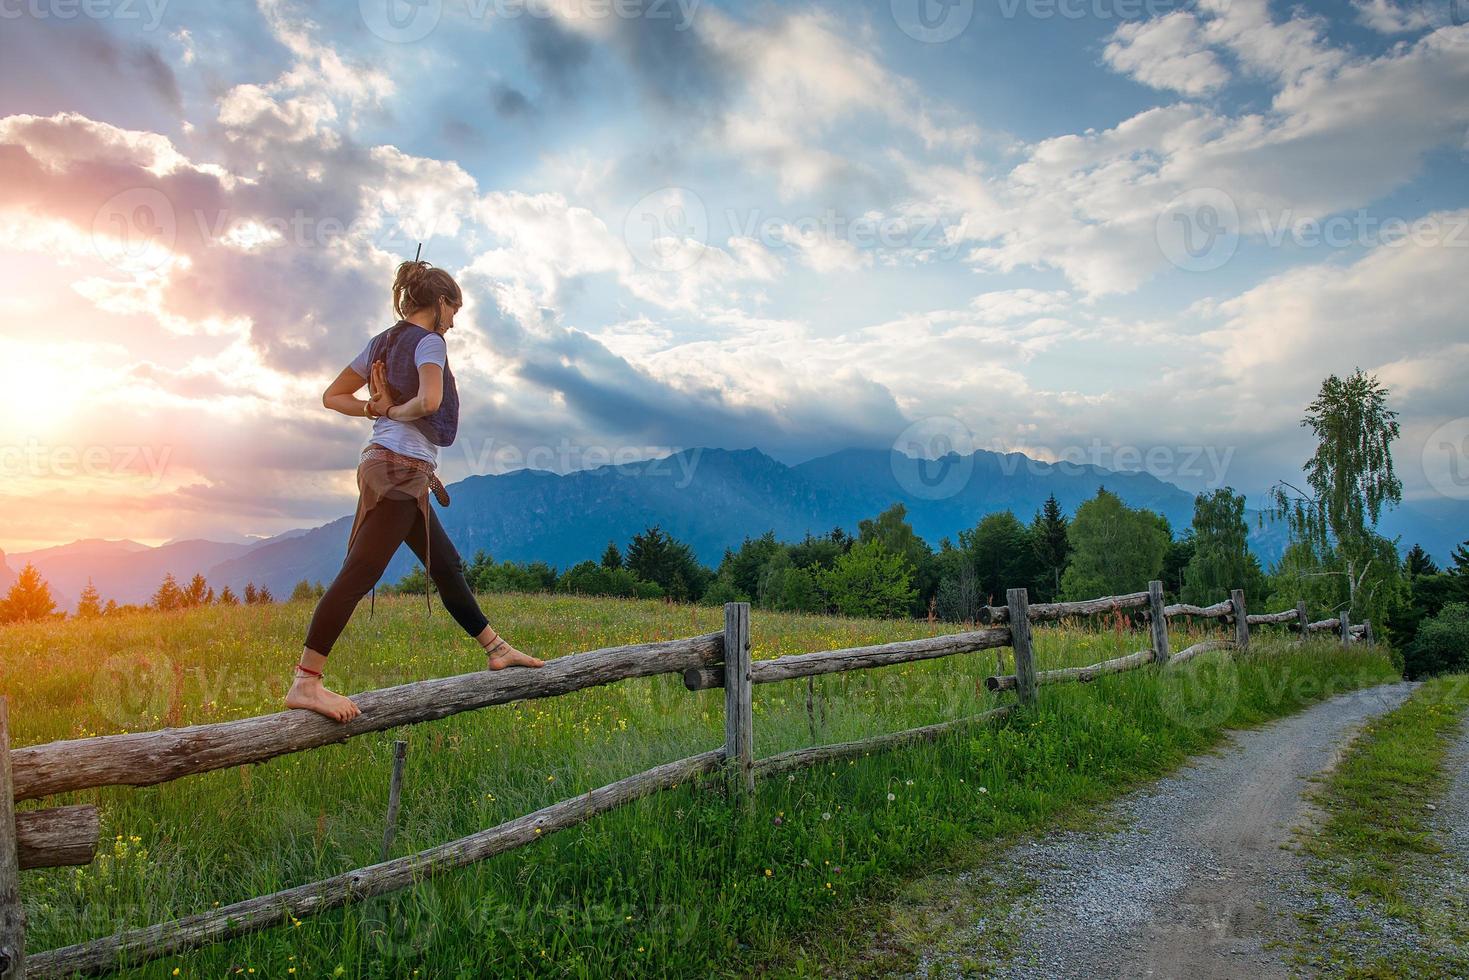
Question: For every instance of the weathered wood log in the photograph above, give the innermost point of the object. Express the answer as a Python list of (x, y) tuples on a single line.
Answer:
[(395, 797), (1262, 619), (12, 914), (1241, 620), (134, 946), (61, 837), (1323, 624), (739, 702), (146, 758), (1158, 625), (1045, 611), (853, 658), (819, 754), (1082, 675), (1019, 605), (1220, 610), (1184, 656)]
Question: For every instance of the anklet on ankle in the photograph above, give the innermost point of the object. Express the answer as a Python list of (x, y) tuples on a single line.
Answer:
[(308, 670)]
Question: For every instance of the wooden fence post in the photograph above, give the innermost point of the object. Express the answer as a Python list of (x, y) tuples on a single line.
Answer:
[(1371, 640), (12, 914), (1019, 602), (1346, 627), (395, 795), (1241, 621), (739, 696), (1161, 652), (1302, 618)]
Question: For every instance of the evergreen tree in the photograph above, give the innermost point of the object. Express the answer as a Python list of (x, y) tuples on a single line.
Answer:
[(1221, 560), (197, 593), (263, 597), (251, 596), (89, 603), (1002, 555), (1418, 562), (1052, 549), (227, 597), (657, 557), (111, 608), (29, 598), (611, 558), (168, 596)]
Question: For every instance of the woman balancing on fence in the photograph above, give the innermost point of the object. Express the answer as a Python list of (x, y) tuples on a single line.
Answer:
[(415, 408)]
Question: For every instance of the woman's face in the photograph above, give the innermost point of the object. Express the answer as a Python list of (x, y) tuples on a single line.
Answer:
[(446, 314)]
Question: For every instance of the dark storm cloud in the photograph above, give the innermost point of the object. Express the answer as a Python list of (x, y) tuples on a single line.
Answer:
[(558, 55)]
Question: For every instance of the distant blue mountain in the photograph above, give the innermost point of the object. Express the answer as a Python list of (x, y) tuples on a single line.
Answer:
[(714, 498), (711, 498)]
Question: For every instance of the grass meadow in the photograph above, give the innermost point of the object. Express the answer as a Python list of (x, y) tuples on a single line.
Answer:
[(675, 885)]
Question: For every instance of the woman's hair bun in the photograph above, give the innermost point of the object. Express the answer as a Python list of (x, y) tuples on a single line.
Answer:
[(419, 284)]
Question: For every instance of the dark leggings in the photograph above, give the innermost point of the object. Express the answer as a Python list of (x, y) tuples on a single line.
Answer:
[(387, 525)]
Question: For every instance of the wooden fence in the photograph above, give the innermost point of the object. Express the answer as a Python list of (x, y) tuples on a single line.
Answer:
[(68, 835)]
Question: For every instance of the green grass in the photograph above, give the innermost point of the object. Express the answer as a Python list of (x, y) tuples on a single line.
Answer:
[(1377, 847), (675, 885)]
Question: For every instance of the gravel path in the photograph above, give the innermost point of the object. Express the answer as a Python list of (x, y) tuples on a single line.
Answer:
[(1189, 881)]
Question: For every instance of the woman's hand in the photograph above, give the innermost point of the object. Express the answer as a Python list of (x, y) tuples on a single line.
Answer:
[(379, 399)]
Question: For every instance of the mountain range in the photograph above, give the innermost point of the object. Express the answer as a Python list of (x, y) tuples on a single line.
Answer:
[(709, 498)]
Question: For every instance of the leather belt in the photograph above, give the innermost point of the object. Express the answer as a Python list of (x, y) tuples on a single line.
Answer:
[(423, 466)]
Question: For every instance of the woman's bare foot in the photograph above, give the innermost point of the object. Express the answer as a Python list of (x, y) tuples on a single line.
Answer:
[(310, 693), (500, 654)]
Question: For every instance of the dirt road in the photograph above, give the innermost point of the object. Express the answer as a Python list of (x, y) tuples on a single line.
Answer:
[(1185, 881)]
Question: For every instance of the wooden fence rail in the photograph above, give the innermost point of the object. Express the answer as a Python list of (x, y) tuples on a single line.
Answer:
[(68, 835)]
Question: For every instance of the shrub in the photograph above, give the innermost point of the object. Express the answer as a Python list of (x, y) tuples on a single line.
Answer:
[(1442, 645)]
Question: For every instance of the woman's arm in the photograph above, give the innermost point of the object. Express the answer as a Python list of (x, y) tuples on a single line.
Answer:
[(426, 402), (341, 394)]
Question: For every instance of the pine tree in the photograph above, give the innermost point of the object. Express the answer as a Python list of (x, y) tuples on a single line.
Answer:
[(263, 596), (89, 604), (611, 558), (1052, 548), (251, 596), (1418, 562), (227, 597), (29, 598), (111, 608), (169, 596), (197, 592)]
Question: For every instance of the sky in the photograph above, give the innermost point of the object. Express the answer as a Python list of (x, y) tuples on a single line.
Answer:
[(1137, 233)]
